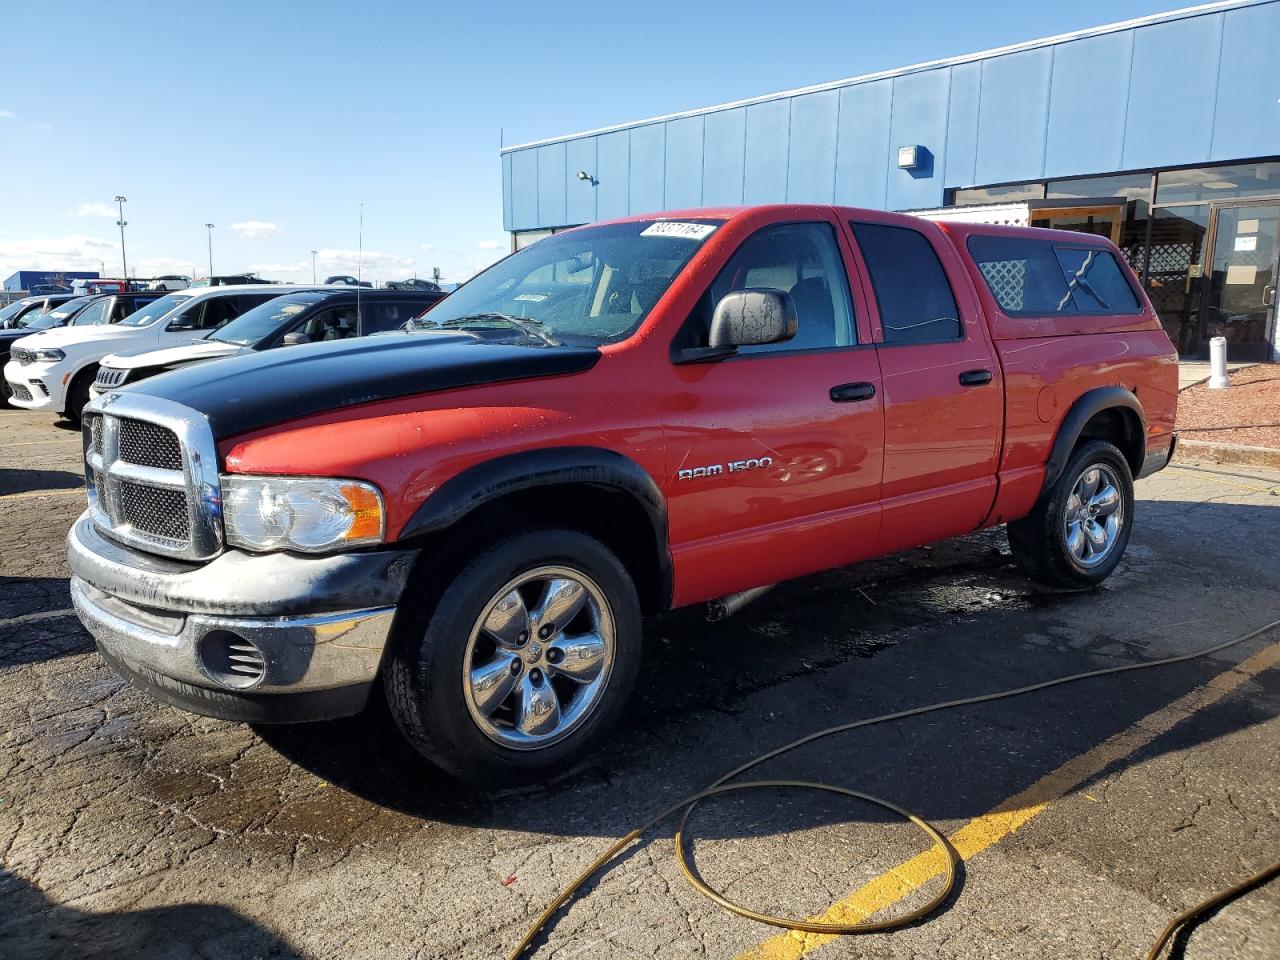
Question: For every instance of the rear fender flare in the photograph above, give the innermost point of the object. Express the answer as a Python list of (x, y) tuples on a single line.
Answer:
[(1088, 405)]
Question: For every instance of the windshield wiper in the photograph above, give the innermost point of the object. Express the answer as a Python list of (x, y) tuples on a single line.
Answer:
[(531, 328)]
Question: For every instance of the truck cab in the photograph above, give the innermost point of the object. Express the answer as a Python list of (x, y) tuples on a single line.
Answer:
[(471, 518)]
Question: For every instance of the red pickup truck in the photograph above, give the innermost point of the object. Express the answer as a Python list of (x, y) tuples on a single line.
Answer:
[(620, 419)]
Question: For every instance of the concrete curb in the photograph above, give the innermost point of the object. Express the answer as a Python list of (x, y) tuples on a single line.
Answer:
[(1227, 453)]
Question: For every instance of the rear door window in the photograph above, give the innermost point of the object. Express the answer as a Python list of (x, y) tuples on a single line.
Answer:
[(911, 287), (1040, 278)]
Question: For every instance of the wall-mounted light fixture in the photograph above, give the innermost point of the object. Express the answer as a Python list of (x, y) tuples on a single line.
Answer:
[(588, 178), (910, 157)]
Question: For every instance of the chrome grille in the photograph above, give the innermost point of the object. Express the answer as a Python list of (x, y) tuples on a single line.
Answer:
[(109, 377), (19, 391), (154, 510), (149, 445), (152, 476)]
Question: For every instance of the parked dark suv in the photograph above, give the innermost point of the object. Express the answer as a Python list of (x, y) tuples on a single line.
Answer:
[(295, 318)]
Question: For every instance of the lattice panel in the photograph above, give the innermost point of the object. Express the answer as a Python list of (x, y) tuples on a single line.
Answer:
[(1008, 281)]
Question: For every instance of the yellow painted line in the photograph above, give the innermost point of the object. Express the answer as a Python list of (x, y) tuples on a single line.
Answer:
[(985, 831), (37, 494), (1205, 475)]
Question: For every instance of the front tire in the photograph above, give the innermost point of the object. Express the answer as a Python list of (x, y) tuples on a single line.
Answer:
[(78, 395), (1076, 535), (524, 664)]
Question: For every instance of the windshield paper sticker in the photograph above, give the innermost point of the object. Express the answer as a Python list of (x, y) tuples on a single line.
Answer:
[(673, 228)]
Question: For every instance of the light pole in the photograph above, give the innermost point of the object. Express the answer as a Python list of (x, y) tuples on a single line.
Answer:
[(122, 223), (313, 265), (209, 227)]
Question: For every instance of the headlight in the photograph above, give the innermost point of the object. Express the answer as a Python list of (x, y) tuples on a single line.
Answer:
[(310, 514), (49, 354)]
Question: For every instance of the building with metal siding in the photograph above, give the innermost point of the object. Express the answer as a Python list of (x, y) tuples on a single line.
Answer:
[(1174, 115)]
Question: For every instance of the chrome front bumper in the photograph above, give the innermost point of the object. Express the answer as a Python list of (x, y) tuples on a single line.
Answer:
[(320, 624)]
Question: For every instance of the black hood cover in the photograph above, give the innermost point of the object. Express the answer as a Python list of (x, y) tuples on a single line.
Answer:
[(242, 393)]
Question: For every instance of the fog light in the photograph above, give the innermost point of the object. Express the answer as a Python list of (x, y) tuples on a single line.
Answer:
[(231, 661)]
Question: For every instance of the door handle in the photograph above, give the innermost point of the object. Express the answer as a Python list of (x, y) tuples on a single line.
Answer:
[(1269, 296), (850, 392), (975, 378)]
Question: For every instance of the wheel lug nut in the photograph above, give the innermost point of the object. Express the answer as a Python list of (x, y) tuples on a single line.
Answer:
[(524, 635), (546, 631), (555, 655), (535, 675), (515, 666)]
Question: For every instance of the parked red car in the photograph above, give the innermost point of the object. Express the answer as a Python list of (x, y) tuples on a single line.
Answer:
[(619, 419)]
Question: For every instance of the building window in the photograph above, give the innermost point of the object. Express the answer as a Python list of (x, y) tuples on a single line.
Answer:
[(1177, 245), (1218, 183), (1012, 193)]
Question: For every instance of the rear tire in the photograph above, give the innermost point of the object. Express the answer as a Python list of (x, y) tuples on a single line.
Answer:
[(509, 678), (1076, 534)]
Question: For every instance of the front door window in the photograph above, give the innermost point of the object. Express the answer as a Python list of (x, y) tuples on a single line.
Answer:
[(1241, 289)]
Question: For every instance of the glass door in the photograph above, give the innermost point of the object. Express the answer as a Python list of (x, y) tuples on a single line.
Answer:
[(1240, 285)]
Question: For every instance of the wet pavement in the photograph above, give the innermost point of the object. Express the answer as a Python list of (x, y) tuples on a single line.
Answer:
[(1088, 815)]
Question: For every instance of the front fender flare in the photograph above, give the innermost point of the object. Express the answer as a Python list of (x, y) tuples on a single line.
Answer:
[(555, 466)]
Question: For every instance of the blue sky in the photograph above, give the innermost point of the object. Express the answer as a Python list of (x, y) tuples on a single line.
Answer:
[(274, 121)]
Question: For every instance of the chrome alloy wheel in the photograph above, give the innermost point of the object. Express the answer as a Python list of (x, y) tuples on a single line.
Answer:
[(1094, 515), (539, 658)]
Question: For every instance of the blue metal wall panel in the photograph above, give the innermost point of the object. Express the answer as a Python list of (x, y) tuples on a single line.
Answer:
[(551, 185), (768, 129), (862, 148), (723, 154), (684, 164), (1187, 90), (1171, 92), (811, 168), (919, 117), (580, 200), (962, 125), (648, 162), (613, 155), (1245, 122), (524, 190), (1011, 121), (1090, 87)]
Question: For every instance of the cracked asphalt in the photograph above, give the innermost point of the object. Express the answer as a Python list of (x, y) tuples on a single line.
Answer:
[(131, 830)]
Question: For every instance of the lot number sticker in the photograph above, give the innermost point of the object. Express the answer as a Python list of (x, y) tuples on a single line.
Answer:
[(673, 228)]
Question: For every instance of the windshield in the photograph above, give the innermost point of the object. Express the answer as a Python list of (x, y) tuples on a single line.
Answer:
[(592, 285), (265, 319), (154, 310), (58, 315)]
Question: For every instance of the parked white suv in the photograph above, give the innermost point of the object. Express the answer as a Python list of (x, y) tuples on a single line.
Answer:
[(169, 282), (54, 369)]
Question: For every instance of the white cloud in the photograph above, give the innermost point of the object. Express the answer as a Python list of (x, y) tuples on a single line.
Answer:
[(488, 244), (41, 125), (426, 246), (7, 114), (96, 210), (75, 251), (252, 229)]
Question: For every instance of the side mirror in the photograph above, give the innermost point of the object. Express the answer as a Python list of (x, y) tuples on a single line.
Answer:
[(181, 325), (295, 338), (746, 318)]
